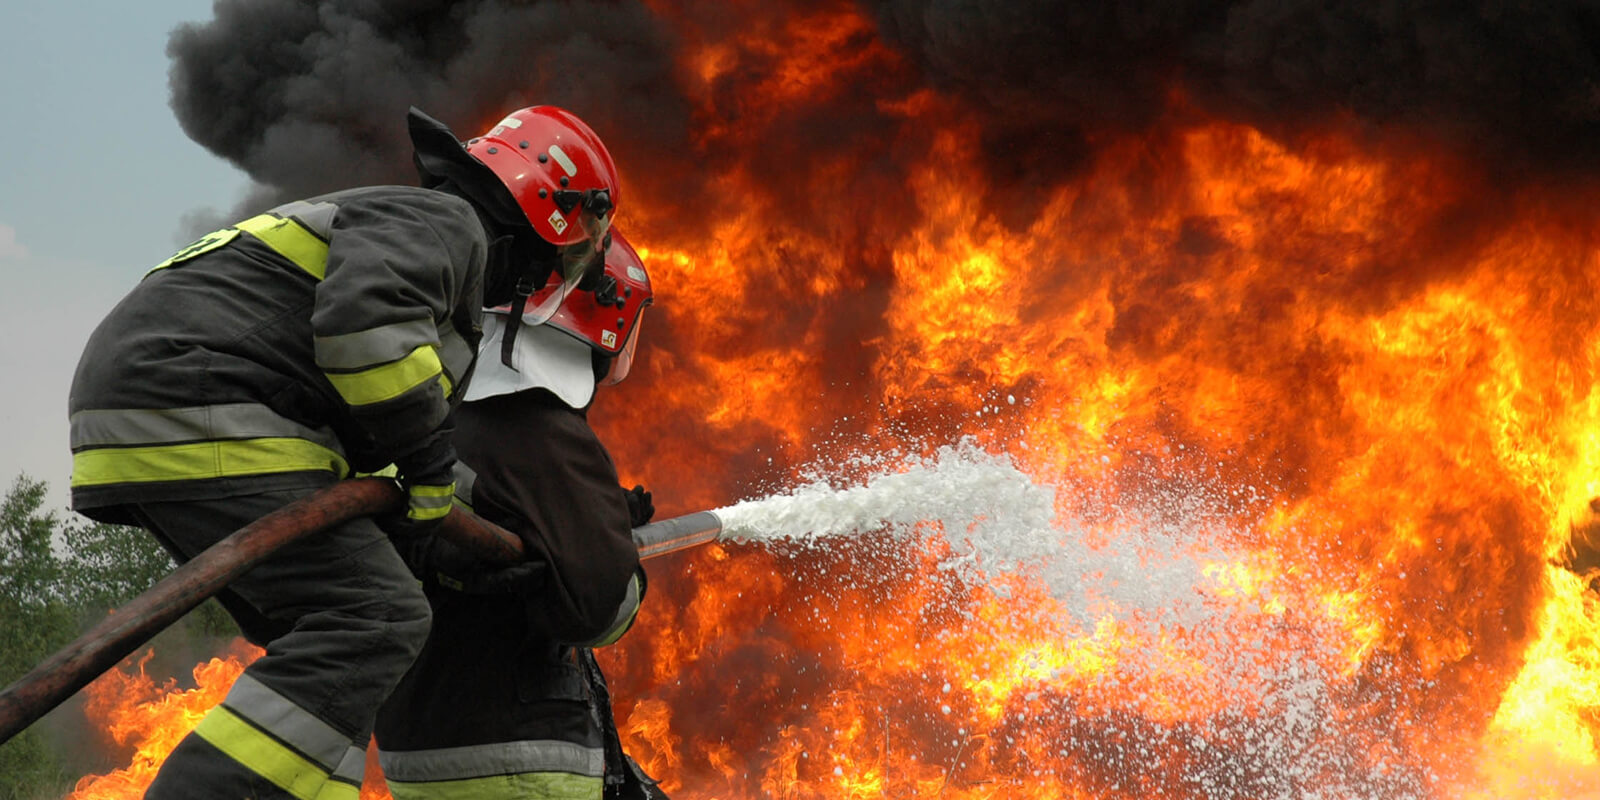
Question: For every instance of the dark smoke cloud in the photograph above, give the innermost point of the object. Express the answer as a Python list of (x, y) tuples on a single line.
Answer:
[(1513, 83), (308, 97)]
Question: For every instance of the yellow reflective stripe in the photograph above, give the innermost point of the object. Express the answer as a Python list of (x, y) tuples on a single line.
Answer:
[(445, 384), (268, 758), (390, 380), (201, 460), (544, 785), (430, 502), (293, 242), (290, 239), (286, 721)]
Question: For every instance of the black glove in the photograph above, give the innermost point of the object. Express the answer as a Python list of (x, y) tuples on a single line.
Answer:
[(524, 578), (440, 562), (640, 509), (428, 475)]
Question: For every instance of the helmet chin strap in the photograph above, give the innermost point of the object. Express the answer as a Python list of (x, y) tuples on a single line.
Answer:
[(533, 276)]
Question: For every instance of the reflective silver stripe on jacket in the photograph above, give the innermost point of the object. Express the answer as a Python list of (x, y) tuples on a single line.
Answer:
[(121, 427), (363, 349), (314, 217), (296, 727), (623, 620), (465, 480), (455, 353), (500, 758), (379, 345)]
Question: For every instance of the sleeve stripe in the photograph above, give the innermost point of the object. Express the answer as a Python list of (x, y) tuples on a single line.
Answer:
[(390, 380), (362, 349), (624, 619)]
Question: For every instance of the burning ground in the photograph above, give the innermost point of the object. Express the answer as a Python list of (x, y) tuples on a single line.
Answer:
[(1261, 338)]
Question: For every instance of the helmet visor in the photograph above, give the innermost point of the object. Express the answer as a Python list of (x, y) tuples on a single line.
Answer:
[(580, 261), (623, 362)]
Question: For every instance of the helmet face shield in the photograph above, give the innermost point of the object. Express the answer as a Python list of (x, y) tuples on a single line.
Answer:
[(580, 263), (585, 258), (540, 307), (624, 360)]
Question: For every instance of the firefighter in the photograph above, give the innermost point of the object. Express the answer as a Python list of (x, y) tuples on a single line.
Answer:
[(278, 355), (506, 700)]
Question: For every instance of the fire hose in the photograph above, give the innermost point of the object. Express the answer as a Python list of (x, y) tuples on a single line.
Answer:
[(125, 629)]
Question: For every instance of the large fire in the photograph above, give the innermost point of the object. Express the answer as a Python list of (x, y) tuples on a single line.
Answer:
[(1361, 365)]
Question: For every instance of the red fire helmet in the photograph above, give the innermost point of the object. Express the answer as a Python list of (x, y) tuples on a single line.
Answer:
[(608, 318), (562, 178), (558, 170)]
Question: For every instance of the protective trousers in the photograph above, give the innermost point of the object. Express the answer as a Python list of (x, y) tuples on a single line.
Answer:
[(492, 713), (342, 619)]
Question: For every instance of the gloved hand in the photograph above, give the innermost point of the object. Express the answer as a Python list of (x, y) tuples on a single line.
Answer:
[(524, 578), (640, 509), (428, 476), (438, 561)]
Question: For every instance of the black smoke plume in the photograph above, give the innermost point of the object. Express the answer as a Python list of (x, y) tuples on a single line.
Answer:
[(1516, 85), (307, 97)]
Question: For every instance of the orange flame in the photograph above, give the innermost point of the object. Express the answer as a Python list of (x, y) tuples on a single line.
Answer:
[(1363, 370), (153, 718)]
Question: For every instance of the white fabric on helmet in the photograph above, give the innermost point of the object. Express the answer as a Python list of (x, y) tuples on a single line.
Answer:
[(545, 358)]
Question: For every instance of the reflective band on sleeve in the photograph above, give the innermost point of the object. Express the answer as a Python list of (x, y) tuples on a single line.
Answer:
[(543, 785), (455, 353), (267, 757), (430, 502), (362, 349), (499, 758), (307, 250), (388, 381), (202, 460), (466, 479), (624, 619)]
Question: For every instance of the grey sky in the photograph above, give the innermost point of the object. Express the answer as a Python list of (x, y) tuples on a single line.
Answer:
[(95, 177)]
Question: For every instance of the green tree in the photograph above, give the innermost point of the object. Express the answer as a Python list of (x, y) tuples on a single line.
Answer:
[(58, 577), (35, 619)]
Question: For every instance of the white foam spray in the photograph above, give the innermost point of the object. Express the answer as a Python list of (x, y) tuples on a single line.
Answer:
[(1158, 574), (997, 520), (991, 510)]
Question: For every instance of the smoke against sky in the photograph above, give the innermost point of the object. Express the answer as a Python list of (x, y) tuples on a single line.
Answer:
[(310, 97)]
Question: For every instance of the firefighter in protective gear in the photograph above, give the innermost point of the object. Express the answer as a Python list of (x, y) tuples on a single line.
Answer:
[(506, 700), (277, 356)]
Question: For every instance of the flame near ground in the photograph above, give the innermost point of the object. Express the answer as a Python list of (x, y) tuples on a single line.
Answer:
[(1334, 395)]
